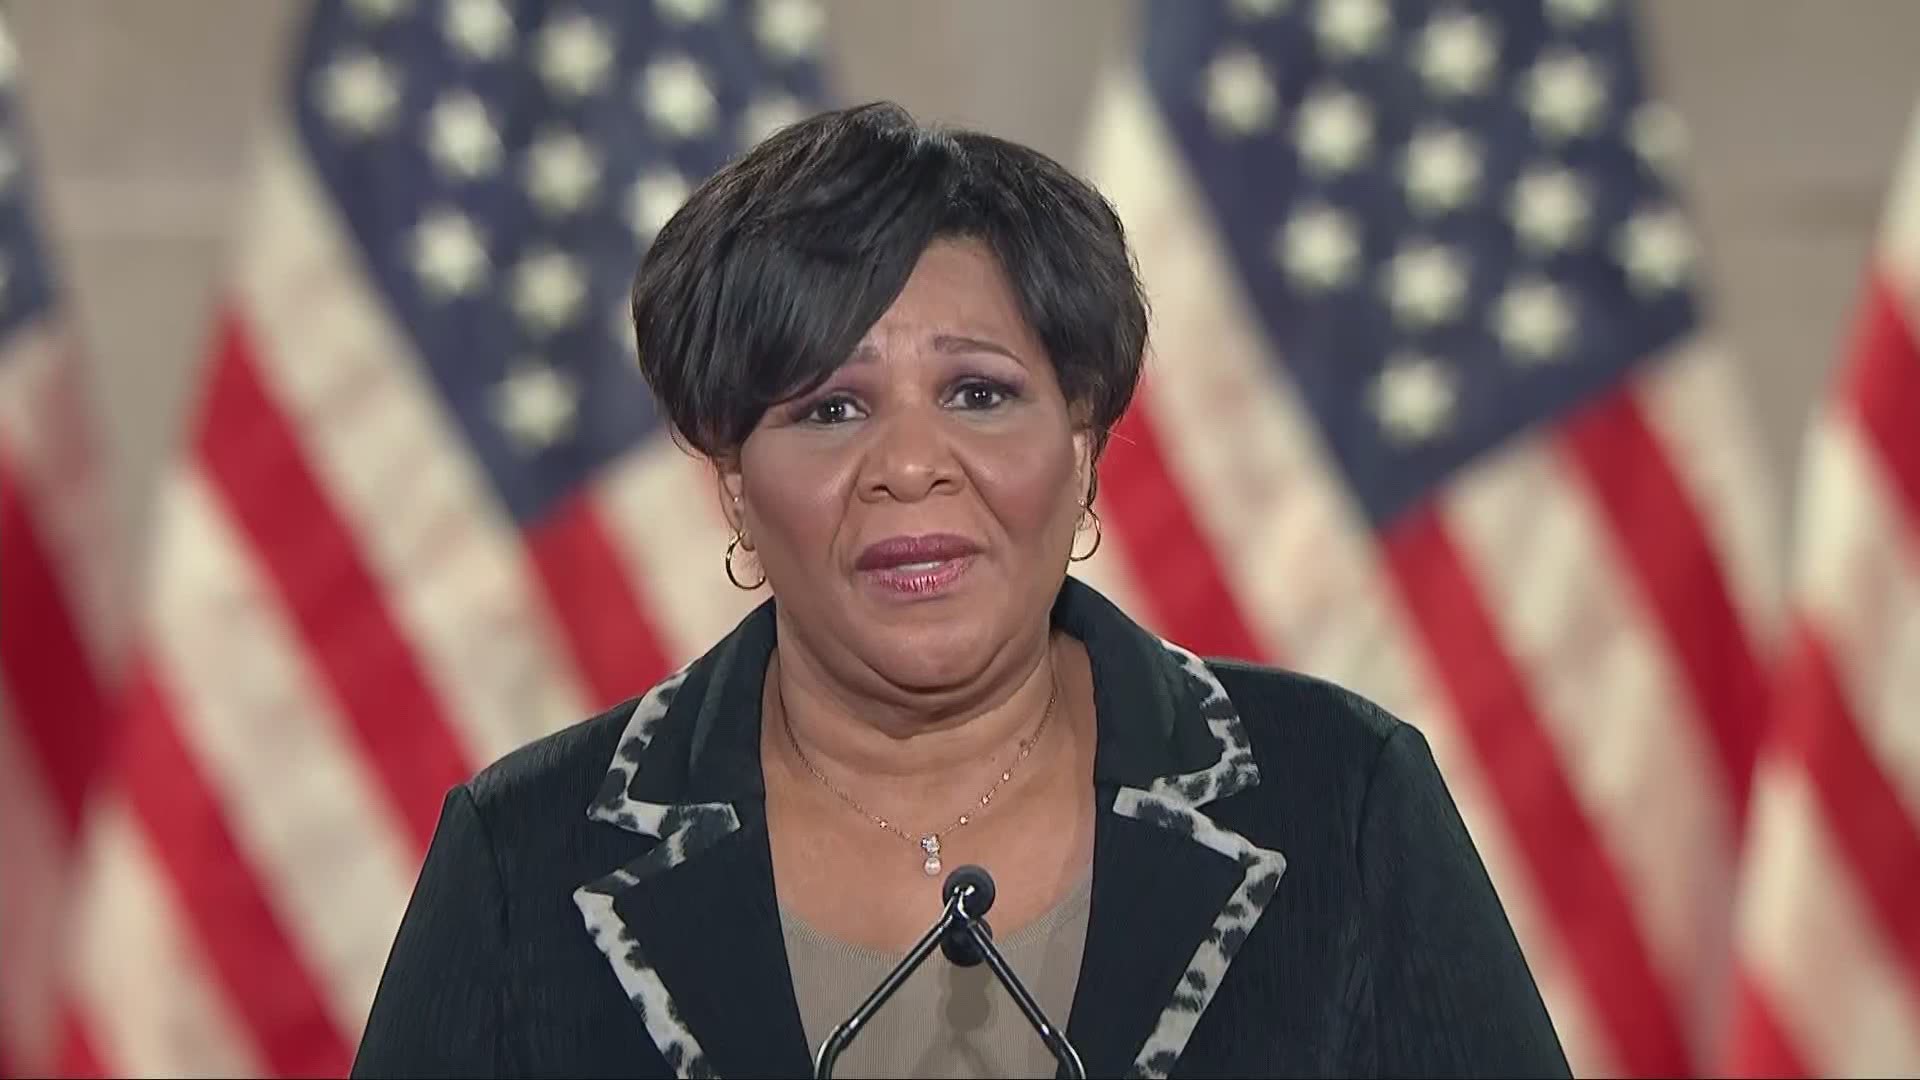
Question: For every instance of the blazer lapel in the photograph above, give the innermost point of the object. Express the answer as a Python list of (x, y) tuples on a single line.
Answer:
[(1155, 898), (1174, 893), (692, 928), (711, 932)]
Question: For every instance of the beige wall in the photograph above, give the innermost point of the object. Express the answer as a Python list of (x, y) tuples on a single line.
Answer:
[(141, 107)]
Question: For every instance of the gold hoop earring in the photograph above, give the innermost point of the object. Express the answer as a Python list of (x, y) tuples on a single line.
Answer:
[(1087, 513), (733, 545)]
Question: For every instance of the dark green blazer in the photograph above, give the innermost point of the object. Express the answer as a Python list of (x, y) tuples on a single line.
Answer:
[(1281, 886)]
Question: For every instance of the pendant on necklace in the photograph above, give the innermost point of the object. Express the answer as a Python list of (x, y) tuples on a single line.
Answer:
[(931, 845)]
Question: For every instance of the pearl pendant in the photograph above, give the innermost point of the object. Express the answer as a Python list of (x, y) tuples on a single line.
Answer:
[(931, 845)]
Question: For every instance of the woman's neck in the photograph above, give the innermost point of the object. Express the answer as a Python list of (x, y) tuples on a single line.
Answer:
[(901, 757)]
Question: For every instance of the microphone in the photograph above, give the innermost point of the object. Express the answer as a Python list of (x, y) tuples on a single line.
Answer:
[(963, 935), (958, 945)]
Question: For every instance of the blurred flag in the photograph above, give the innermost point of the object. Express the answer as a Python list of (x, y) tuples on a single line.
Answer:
[(427, 512), (1829, 916), (1434, 413), (57, 602)]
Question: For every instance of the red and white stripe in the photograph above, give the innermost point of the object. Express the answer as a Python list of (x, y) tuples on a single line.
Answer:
[(343, 621), (1829, 916), (1577, 625), (58, 610)]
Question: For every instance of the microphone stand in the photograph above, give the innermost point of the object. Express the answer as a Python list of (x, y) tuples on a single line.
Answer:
[(963, 934)]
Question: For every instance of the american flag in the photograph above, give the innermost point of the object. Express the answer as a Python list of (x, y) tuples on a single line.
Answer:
[(58, 601), (1435, 412), (426, 513), (1829, 917)]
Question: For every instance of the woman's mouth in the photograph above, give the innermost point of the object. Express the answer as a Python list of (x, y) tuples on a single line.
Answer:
[(920, 579), (917, 566)]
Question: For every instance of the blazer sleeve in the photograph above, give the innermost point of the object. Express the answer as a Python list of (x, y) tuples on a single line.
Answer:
[(440, 1007), (1452, 995)]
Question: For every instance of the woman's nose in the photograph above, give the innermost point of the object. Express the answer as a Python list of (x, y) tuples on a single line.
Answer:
[(909, 458)]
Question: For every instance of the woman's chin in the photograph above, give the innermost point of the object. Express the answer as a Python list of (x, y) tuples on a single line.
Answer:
[(928, 658)]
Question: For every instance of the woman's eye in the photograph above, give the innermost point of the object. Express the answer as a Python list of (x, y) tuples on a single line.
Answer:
[(833, 410), (981, 395)]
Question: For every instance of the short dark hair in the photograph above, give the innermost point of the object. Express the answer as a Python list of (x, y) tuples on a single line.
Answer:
[(766, 279)]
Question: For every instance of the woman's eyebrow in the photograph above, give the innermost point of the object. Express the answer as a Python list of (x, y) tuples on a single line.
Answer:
[(867, 352), (961, 343)]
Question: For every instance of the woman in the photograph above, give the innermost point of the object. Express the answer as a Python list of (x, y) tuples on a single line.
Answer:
[(902, 351)]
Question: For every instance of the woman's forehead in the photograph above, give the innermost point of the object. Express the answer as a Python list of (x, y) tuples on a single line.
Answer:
[(957, 299)]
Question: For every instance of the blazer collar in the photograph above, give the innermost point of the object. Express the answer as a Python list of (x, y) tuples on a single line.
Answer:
[(692, 930)]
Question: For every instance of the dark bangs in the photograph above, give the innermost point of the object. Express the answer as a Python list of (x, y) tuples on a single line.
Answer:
[(765, 281)]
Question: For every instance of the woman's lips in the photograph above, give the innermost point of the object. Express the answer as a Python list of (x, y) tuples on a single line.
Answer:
[(920, 579), (917, 566), (896, 551)]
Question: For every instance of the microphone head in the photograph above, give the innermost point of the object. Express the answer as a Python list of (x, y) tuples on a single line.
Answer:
[(962, 947), (976, 878)]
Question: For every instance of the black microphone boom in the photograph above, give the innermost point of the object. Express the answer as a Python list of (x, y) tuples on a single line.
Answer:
[(963, 935)]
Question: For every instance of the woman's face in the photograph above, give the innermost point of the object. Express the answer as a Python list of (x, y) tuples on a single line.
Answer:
[(914, 514)]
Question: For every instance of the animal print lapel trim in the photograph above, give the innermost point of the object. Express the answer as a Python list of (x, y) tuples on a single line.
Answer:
[(683, 831), (1173, 802)]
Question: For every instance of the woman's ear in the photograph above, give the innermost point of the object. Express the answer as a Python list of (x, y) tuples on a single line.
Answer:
[(731, 487), (1083, 463)]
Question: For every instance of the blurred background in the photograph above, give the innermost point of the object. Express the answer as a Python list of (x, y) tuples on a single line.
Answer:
[(1679, 921), (145, 117)]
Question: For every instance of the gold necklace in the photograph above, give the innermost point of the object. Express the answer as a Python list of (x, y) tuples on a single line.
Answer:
[(929, 843)]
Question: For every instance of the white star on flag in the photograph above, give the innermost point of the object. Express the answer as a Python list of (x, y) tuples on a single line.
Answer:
[(1240, 95), (1571, 12), (1335, 130), (461, 138), (562, 172), (768, 115), (790, 29), (1414, 398), (1565, 95), (481, 29), (686, 11), (1442, 169), (1258, 9), (448, 254), (1533, 320), (548, 290), (652, 200), (1456, 54), (1318, 248), (536, 405), (1350, 28), (1550, 208), (676, 97), (575, 55), (377, 11), (1656, 247), (1659, 136), (1426, 283), (359, 93)]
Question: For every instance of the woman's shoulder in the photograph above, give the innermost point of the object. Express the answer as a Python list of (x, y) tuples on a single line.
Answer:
[(1292, 704), (1311, 738), (556, 773)]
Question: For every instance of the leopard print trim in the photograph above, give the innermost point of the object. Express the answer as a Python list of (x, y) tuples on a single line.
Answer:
[(1234, 770), (1261, 869), (1173, 802), (684, 831), (615, 803)]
